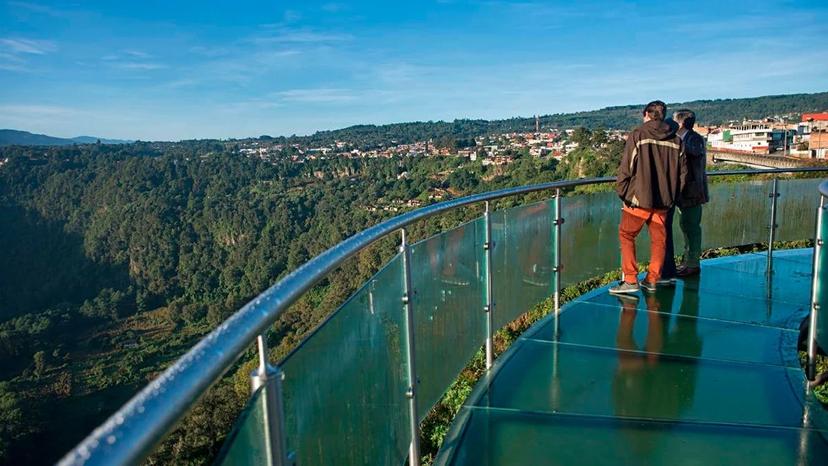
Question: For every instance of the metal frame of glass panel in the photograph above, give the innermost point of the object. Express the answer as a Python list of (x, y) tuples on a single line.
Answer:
[(129, 435)]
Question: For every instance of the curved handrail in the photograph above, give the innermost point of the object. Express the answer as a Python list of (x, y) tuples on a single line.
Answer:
[(128, 436)]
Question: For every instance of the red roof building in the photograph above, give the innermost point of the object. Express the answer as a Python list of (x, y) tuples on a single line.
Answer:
[(815, 116)]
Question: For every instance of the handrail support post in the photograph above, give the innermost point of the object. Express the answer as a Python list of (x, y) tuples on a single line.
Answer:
[(558, 267), (270, 378), (774, 195), (411, 392), (815, 286), (488, 308)]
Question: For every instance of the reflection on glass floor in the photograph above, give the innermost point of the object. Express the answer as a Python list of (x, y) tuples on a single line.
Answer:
[(702, 374)]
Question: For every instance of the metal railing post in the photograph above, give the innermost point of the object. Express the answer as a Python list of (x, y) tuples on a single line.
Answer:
[(812, 322), (488, 307), (558, 267), (270, 378), (411, 393), (774, 195)]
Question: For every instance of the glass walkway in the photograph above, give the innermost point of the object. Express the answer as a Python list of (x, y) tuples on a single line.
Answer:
[(701, 374)]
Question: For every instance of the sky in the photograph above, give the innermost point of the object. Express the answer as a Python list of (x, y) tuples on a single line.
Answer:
[(171, 70)]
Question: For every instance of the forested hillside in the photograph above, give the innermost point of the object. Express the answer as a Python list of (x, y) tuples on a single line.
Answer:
[(117, 258), (624, 117)]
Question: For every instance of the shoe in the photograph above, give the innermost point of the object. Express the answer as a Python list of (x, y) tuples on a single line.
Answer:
[(624, 288), (666, 282), (628, 299), (651, 287), (688, 272)]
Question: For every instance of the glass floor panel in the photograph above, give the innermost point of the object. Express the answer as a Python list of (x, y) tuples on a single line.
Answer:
[(513, 438), (670, 328), (704, 373), (553, 377), (738, 306)]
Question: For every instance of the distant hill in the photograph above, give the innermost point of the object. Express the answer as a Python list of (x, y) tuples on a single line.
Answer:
[(9, 137), (622, 117)]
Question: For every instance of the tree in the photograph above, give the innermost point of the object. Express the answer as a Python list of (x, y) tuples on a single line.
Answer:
[(39, 364), (11, 419), (582, 136)]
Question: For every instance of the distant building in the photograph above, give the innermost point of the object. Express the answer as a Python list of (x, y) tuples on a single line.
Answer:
[(818, 144), (813, 122), (756, 137)]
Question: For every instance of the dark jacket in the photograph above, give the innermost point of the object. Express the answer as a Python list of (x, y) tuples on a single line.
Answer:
[(653, 168), (695, 191)]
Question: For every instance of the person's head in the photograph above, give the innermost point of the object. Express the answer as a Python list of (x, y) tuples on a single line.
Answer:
[(685, 118), (655, 110)]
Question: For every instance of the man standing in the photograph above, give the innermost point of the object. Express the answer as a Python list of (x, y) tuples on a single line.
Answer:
[(650, 179), (694, 193)]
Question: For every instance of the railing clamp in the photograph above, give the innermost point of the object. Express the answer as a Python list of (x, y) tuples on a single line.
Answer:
[(487, 308), (409, 393), (819, 242), (559, 268), (559, 221), (405, 298), (488, 245), (772, 195)]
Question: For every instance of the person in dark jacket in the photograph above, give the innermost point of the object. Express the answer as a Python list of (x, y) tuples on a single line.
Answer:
[(650, 178), (694, 194)]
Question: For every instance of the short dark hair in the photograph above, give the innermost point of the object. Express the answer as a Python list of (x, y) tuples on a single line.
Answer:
[(685, 118), (655, 110)]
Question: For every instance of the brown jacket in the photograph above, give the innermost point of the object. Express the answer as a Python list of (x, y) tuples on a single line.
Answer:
[(653, 168), (695, 190)]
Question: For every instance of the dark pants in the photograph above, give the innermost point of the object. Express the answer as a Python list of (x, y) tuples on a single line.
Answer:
[(668, 270)]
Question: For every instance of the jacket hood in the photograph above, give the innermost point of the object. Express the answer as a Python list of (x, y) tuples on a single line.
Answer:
[(659, 130)]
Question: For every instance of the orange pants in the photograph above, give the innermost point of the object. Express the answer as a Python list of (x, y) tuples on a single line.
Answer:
[(633, 220)]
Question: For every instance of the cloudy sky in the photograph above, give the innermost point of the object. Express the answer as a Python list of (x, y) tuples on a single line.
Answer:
[(164, 70)]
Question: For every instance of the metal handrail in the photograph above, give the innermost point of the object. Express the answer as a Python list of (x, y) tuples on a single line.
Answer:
[(129, 435)]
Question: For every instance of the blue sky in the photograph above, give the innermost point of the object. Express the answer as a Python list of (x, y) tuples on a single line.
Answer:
[(169, 70)]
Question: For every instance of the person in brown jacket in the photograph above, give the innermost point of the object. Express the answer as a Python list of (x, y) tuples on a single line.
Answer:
[(650, 179)]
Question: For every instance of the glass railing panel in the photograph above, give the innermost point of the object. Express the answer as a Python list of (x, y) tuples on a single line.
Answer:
[(246, 444), (447, 276), (795, 209), (522, 259), (738, 213), (821, 283), (589, 240), (345, 385)]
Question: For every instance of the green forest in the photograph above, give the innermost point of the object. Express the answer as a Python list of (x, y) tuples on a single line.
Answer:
[(710, 112), (117, 258)]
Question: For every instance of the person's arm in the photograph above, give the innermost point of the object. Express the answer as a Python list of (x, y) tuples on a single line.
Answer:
[(684, 169), (625, 169)]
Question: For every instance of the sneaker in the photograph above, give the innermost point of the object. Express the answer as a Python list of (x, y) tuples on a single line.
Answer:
[(624, 288), (688, 271), (666, 282), (628, 299), (651, 287)]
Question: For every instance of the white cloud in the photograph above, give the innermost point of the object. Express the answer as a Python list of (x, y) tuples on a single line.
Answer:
[(37, 8), (317, 95), (304, 36), (27, 46), (140, 66)]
